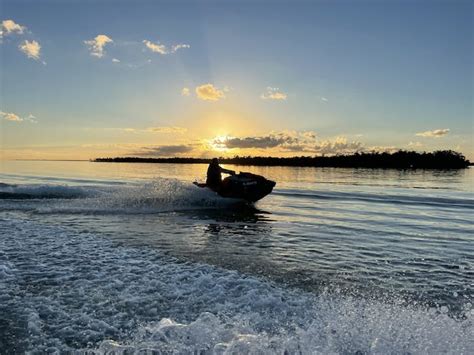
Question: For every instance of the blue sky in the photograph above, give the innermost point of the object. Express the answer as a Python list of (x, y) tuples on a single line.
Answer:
[(264, 77)]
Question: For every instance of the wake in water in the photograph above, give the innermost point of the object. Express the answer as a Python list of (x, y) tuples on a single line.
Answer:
[(78, 291), (159, 195)]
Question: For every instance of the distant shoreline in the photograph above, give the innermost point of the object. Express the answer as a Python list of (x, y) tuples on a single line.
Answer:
[(446, 159)]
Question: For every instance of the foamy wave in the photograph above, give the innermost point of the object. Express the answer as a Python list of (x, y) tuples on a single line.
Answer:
[(45, 191), (332, 326), (79, 292), (155, 196)]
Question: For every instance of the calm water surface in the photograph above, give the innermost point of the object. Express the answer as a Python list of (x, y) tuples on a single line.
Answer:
[(129, 257)]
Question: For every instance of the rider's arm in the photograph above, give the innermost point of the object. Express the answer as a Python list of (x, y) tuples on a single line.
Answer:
[(227, 171)]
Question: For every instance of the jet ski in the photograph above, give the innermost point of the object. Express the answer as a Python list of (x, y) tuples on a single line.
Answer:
[(246, 186)]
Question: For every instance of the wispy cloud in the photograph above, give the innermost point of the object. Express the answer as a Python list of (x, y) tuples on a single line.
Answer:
[(273, 94), (13, 117), (167, 129), (165, 150), (115, 60), (31, 49), (163, 49), (185, 92), (415, 144), (324, 99), (97, 45), (162, 129), (10, 27), (209, 92), (437, 133), (177, 47)]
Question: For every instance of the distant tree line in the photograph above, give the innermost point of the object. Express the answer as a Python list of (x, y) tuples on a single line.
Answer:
[(441, 159)]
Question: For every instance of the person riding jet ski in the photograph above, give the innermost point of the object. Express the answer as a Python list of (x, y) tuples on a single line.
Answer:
[(214, 175), (246, 186)]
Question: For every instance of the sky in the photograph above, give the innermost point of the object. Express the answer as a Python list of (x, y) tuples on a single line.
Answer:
[(87, 79)]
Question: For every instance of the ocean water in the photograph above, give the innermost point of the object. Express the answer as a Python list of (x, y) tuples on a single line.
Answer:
[(132, 258)]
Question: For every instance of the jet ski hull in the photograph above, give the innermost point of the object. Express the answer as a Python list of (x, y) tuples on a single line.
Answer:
[(246, 186)]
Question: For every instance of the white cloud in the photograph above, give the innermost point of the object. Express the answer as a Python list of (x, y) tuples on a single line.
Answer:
[(31, 49), (273, 94), (437, 133), (209, 92), (96, 45), (177, 47), (31, 118), (9, 27), (324, 99), (10, 116), (115, 60), (13, 117), (185, 92), (156, 47), (163, 49)]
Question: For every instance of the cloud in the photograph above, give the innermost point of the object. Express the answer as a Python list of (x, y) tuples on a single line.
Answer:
[(96, 45), (163, 49), (415, 144), (10, 116), (166, 150), (156, 47), (291, 141), (437, 133), (209, 93), (177, 47), (115, 60), (166, 129), (10, 27), (273, 94), (382, 149), (163, 129), (31, 49), (250, 142), (31, 118), (339, 145), (324, 99), (185, 92)]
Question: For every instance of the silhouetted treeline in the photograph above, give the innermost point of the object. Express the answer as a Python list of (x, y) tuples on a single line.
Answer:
[(444, 159)]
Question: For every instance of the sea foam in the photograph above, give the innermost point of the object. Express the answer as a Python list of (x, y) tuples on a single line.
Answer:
[(67, 291)]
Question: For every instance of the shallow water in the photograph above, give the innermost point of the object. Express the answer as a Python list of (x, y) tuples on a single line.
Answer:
[(126, 257)]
